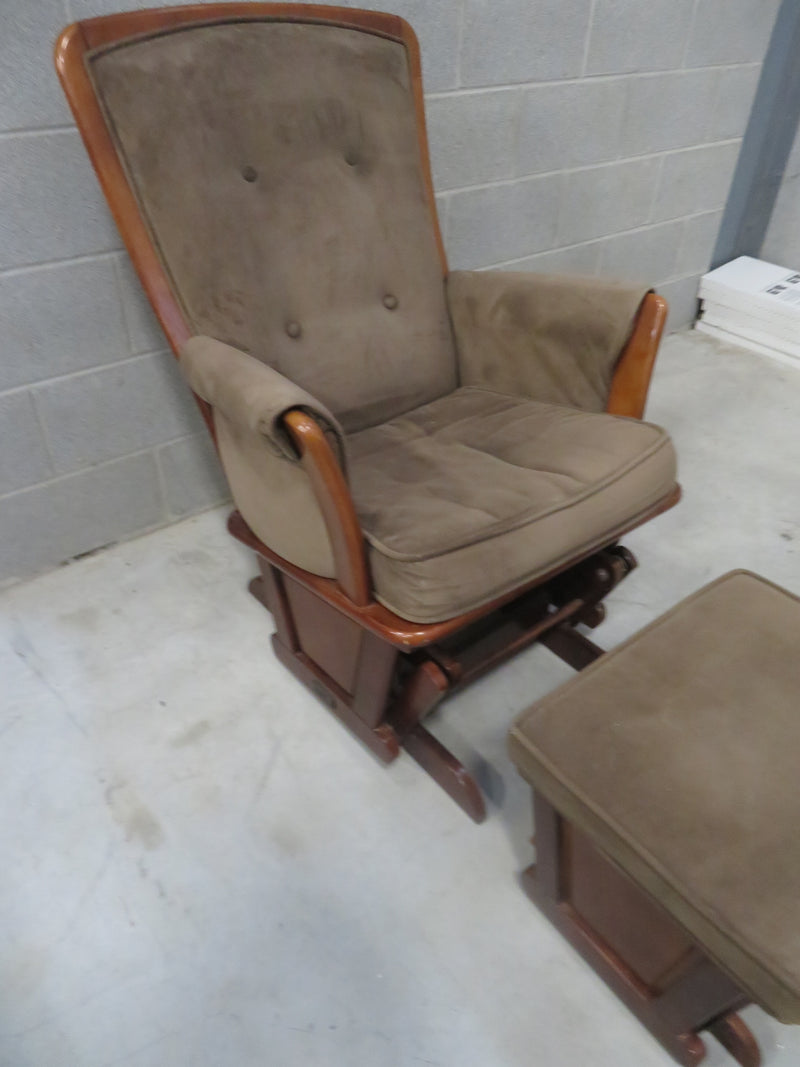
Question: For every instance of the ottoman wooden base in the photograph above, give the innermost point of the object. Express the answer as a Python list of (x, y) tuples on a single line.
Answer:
[(635, 946)]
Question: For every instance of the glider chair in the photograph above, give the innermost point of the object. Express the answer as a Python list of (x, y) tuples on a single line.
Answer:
[(430, 466)]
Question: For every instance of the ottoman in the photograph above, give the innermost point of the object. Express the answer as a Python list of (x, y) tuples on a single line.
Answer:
[(666, 780)]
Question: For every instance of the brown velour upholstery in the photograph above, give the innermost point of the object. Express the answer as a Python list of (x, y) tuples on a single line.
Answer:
[(478, 492), (249, 400), (550, 337), (278, 166), (678, 754)]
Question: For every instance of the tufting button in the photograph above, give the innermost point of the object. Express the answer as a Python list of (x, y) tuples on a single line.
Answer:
[(351, 159), (249, 174), (293, 329), (390, 302)]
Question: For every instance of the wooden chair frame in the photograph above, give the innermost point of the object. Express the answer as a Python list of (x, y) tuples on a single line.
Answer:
[(379, 673)]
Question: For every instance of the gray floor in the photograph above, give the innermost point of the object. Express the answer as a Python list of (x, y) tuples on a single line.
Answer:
[(201, 868)]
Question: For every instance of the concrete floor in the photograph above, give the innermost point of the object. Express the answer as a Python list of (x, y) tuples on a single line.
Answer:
[(202, 869)]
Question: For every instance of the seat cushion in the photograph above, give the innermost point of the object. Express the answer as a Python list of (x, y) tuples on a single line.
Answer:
[(677, 754), (467, 497)]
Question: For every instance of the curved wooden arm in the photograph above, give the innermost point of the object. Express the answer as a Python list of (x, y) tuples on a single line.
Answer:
[(335, 502), (635, 366)]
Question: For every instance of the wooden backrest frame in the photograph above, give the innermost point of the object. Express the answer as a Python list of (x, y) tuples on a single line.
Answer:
[(81, 37)]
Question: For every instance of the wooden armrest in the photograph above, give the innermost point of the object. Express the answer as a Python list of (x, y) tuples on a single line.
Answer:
[(335, 502), (635, 366)]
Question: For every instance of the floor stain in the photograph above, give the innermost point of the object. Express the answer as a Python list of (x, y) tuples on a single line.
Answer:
[(138, 822), (289, 843), (195, 556), (24, 970), (84, 618), (192, 734)]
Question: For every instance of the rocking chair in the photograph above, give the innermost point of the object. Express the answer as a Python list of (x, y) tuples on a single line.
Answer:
[(431, 467)]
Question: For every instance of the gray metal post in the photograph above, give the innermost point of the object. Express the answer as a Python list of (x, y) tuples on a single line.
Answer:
[(766, 145)]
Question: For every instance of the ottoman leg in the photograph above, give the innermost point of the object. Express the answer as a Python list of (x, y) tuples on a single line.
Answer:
[(638, 949), (736, 1036)]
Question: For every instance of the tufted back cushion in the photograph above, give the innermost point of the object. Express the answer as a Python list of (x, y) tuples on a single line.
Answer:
[(278, 167)]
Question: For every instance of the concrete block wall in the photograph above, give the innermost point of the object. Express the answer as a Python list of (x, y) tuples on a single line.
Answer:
[(596, 135), (571, 135)]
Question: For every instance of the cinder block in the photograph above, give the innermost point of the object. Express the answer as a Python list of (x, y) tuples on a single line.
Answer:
[(646, 256), (144, 331), (666, 111), (472, 137), (520, 41), (59, 210), (508, 221), (570, 125), (58, 319), (607, 199), (736, 89), (23, 456), (695, 180), (436, 25), (731, 31), (681, 296), (44, 526), (102, 414), (580, 259), (29, 90), (193, 477), (697, 245), (627, 37)]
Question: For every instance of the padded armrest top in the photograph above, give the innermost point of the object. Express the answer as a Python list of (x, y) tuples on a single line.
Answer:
[(252, 394), (554, 338)]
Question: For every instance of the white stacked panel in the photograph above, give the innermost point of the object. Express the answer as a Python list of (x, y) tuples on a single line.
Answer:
[(754, 304)]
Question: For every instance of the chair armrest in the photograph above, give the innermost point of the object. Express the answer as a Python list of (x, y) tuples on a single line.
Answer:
[(553, 338), (252, 394), (635, 367), (253, 401), (335, 502)]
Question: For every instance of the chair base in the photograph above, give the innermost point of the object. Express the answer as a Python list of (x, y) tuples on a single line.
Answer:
[(382, 692), (634, 945)]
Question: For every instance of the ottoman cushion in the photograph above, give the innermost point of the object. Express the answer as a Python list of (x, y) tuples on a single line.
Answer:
[(679, 755)]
